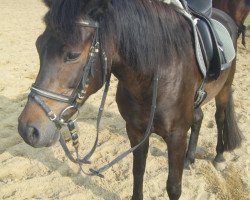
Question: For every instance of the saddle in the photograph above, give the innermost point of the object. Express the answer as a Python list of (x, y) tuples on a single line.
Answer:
[(215, 43), (201, 6)]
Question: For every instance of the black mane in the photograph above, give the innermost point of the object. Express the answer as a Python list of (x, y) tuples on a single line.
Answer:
[(62, 17), (146, 33)]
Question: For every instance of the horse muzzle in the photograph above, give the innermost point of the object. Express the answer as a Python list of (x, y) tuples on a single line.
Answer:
[(35, 128)]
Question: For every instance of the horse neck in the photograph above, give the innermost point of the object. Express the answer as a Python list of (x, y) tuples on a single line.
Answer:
[(164, 33), (136, 83)]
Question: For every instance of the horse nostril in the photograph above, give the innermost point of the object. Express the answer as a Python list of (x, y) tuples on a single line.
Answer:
[(33, 135)]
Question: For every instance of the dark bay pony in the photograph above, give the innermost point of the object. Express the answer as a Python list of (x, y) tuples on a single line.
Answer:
[(142, 40), (238, 10)]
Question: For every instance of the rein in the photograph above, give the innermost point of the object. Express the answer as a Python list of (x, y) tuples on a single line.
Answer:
[(75, 100)]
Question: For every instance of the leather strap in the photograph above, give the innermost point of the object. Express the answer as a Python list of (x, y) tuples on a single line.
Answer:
[(147, 133), (50, 95)]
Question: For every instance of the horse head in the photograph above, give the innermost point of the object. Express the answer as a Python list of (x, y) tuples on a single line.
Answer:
[(71, 69)]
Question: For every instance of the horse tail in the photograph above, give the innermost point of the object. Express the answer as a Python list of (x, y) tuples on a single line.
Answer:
[(232, 136)]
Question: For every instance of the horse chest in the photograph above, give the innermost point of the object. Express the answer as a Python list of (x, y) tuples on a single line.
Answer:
[(132, 110)]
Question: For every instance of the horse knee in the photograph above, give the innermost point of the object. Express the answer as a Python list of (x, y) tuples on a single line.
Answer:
[(174, 190)]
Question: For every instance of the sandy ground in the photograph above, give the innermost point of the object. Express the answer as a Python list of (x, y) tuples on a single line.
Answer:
[(28, 173)]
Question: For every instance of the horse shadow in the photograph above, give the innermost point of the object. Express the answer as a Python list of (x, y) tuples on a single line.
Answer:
[(12, 143), (111, 120)]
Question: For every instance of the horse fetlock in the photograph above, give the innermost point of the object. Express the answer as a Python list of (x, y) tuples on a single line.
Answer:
[(188, 163), (219, 162), (219, 158), (174, 191), (137, 197)]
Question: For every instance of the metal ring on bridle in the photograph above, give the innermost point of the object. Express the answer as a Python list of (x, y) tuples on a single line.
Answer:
[(52, 116), (64, 111)]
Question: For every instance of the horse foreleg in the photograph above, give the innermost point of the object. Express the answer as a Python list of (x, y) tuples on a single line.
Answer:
[(176, 143), (139, 160), (195, 130)]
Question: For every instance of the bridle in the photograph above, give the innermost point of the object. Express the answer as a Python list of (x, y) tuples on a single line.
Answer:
[(76, 98), (79, 92)]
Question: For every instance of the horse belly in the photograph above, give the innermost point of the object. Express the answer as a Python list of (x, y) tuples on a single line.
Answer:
[(214, 87)]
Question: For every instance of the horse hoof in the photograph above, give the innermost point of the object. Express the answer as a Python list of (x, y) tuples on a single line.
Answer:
[(220, 166), (187, 164), (219, 158)]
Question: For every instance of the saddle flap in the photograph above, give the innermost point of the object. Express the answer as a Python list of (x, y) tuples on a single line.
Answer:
[(225, 43), (205, 41), (216, 45), (208, 43)]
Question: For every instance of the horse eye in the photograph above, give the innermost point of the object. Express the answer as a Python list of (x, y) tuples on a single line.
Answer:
[(71, 56)]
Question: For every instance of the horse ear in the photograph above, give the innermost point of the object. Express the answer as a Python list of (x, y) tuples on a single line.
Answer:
[(48, 2), (95, 6)]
